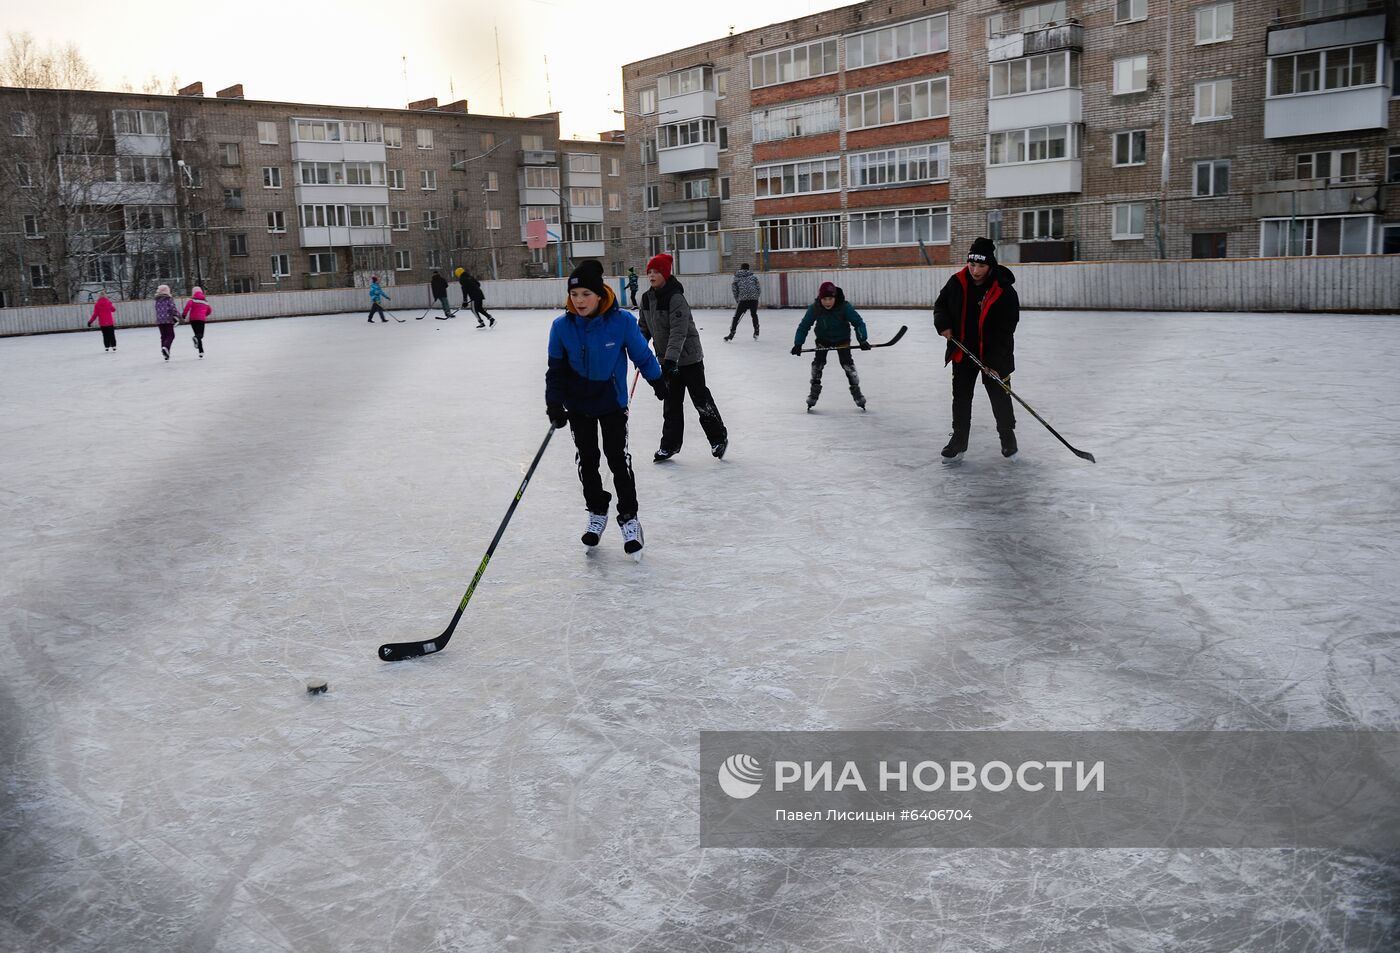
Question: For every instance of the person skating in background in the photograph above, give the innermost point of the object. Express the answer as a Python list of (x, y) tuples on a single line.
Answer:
[(376, 294), (104, 313), (632, 286), (666, 320), (834, 318), (197, 311), (585, 387), (979, 307), (166, 317), (439, 284), (473, 295), (746, 291)]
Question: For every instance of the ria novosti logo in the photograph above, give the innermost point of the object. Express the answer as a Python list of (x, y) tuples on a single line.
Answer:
[(740, 776)]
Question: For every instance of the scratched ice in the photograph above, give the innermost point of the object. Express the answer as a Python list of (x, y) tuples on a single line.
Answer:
[(184, 544)]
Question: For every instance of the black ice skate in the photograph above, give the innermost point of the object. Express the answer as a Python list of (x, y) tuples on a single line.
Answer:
[(662, 455), (1008, 444), (718, 448), (597, 522), (632, 540), (956, 447)]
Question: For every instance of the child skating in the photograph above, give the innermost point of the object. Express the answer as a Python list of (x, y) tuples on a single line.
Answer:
[(104, 313), (376, 295), (585, 387), (166, 318), (834, 318), (197, 311)]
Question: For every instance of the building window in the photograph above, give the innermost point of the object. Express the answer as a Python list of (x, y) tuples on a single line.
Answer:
[(492, 183), (39, 276), (281, 266), (198, 223), (1044, 14), (23, 177), (584, 162), (189, 128), (1042, 224), (241, 285), (1319, 70), (364, 173), (533, 143), (1033, 74), (396, 179), (488, 141), (797, 178), (430, 220), (267, 132), (646, 101), (1215, 24), (1130, 75), (723, 138), (909, 102), (398, 220), (1130, 148), (690, 237), (272, 177), (541, 177), (1336, 166), (652, 199), (695, 189), (139, 122), (656, 244), (614, 201), (549, 214), (233, 198), (1208, 245), (456, 158), (493, 219), (791, 64), (403, 260), (434, 258), (906, 226), (315, 130), (682, 134), (586, 197), (1128, 220), (614, 166), (898, 42), (1390, 239), (1395, 77), (22, 125), (1213, 100), (796, 119), (393, 137), (615, 236), (585, 232), (427, 180), (323, 216), (425, 138), (32, 228), (276, 222), (1033, 145), (721, 83), (1392, 164), (238, 245), (229, 154), (725, 184), (648, 151), (1212, 178), (1127, 11), (1331, 235), (799, 234)]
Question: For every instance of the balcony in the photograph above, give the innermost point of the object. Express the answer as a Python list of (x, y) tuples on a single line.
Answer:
[(687, 106), (539, 157), (1350, 109), (312, 151), (585, 213), (691, 158), (690, 210), (1047, 177), (1025, 110), (340, 236), (1010, 46), (341, 194), (1290, 198), (578, 250), (1294, 13)]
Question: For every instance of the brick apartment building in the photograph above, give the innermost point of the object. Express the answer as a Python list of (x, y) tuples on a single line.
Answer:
[(896, 131), (117, 192)]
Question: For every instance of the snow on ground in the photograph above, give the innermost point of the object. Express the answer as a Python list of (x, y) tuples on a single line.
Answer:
[(185, 543)]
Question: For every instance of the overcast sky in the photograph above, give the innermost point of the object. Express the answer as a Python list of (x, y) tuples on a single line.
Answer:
[(361, 53)]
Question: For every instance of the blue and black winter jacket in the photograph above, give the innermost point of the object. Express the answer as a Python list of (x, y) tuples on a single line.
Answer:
[(588, 359)]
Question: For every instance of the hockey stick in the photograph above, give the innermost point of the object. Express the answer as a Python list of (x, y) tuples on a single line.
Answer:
[(394, 316), (846, 347), (398, 651), (635, 377), (1082, 454)]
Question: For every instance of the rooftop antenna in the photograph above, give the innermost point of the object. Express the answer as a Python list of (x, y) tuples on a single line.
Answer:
[(500, 83), (404, 57), (548, 89)]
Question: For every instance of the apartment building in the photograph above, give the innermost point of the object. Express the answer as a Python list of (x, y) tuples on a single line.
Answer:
[(118, 192), (896, 131), (577, 189)]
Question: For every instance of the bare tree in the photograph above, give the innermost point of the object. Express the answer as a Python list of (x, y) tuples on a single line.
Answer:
[(24, 64)]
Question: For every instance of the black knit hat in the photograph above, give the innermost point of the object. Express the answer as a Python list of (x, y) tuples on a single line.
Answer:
[(983, 251), (589, 274)]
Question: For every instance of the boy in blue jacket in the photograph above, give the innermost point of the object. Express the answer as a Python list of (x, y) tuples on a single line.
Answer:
[(376, 294), (585, 387)]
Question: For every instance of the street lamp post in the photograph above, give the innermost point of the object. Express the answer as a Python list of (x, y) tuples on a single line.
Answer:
[(646, 172), (486, 199)]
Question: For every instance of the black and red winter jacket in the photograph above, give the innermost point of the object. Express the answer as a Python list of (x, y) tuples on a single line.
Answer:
[(989, 333)]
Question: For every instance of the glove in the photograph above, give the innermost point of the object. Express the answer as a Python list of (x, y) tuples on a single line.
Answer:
[(670, 368), (864, 345), (796, 349), (557, 415), (659, 386)]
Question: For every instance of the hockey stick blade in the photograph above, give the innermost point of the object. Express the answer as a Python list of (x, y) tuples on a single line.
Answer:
[(398, 651), (847, 347)]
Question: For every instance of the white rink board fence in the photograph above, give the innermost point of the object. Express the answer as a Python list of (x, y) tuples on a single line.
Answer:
[(1369, 283)]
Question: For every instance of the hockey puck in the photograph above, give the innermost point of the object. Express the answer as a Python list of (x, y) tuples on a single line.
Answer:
[(317, 686)]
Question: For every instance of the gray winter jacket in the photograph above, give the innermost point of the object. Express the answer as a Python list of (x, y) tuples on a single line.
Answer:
[(665, 318), (745, 285)]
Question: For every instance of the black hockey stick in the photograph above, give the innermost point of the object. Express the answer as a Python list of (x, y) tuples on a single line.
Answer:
[(846, 347), (398, 651), (395, 316), (1082, 454)]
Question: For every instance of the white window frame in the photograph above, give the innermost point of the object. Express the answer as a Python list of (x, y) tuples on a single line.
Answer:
[(1129, 235), (895, 161), (1004, 74), (398, 220), (1130, 133), (1336, 159), (726, 188), (614, 166), (276, 222), (393, 137), (829, 169), (679, 135), (233, 150), (493, 219), (40, 276), (532, 142), (403, 259), (424, 138), (651, 198), (794, 120), (768, 68), (883, 44), (1073, 134), (1213, 166), (33, 227), (394, 178), (272, 177), (1047, 224), (1212, 12), (799, 233), (281, 266), (427, 180), (1132, 62), (432, 220), (586, 163), (1321, 73), (1308, 225), (646, 101), (433, 258), (938, 218), (1214, 86), (1137, 11), (586, 196), (614, 201), (237, 244), (1392, 165), (492, 182), (267, 132), (897, 97), (1037, 16)]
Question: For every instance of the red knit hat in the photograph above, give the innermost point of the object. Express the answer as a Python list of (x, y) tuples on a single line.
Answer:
[(827, 290), (661, 263)]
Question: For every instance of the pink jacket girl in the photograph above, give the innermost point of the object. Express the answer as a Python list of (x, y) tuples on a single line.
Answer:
[(104, 313), (198, 311)]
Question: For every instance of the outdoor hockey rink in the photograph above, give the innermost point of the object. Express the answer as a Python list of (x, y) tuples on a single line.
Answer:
[(185, 544)]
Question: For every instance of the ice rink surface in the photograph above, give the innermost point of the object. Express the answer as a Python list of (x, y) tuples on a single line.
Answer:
[(184, 544)]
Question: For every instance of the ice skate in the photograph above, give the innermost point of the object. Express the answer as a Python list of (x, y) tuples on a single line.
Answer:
[(952, 453), (632, 541), (662, 455), (166, 352), (718, 448), (1008, 445), (597, 522)]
